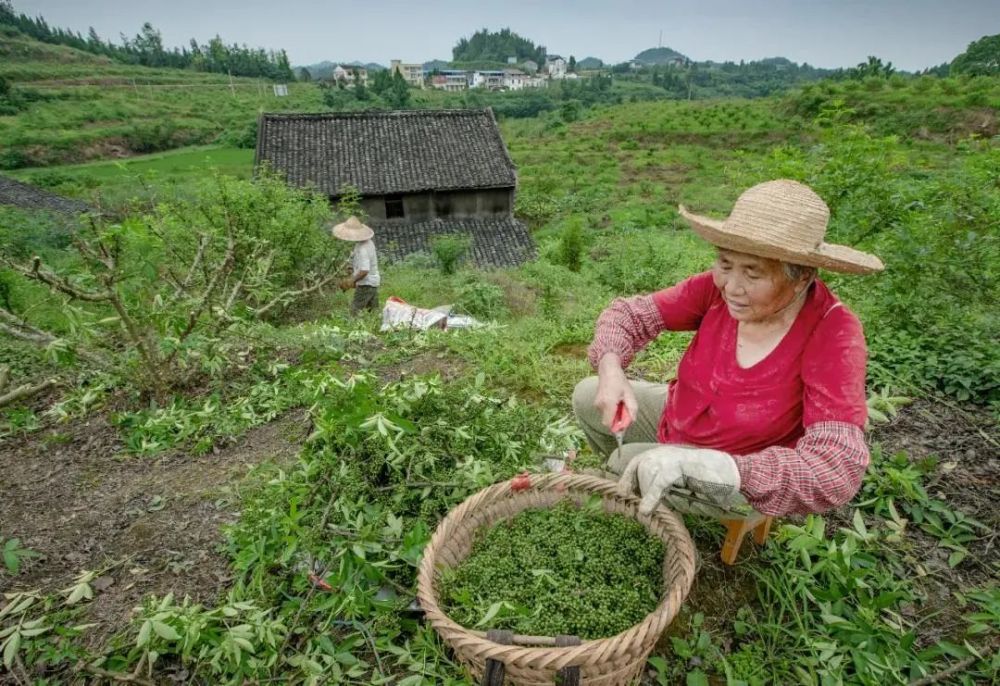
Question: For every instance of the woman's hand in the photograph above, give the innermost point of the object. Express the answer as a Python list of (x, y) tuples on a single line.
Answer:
[(613, 387)]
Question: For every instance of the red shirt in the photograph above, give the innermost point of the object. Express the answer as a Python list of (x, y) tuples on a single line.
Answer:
[(815, 374)]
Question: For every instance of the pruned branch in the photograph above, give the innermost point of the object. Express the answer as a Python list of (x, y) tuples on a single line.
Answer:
[(59, 283), (14, 326), (22, 391), (288, 296), (26, 391)]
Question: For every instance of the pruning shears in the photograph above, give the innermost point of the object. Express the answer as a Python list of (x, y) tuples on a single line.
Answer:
[(621, 422)]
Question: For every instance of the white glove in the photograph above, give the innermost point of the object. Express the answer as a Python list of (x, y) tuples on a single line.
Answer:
[(711, 474)]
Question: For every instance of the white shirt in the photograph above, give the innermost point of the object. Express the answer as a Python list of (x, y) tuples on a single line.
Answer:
[(364, 259)]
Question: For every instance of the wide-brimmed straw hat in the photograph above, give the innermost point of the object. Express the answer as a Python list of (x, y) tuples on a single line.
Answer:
[(784, 220), (352, 230)]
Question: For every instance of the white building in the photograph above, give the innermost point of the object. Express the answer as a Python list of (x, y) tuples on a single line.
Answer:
[(555, 66), (488, 79), (345, 74), (514, 79)]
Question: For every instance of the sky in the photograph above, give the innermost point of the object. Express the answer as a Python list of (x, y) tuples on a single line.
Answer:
[(912, 34)]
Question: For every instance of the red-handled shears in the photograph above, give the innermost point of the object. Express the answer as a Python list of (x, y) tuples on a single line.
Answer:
[(621, 422)]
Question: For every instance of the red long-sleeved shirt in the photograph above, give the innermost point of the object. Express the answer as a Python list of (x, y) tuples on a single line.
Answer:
[(793, 421)]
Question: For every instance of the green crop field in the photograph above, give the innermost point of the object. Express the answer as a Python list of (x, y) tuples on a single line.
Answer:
[(224, 479)]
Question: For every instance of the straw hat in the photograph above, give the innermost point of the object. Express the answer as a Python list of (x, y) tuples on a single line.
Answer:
[(784, 220), (352, 230)]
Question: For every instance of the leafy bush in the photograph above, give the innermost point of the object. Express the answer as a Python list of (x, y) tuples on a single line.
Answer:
[(146, 138), (481, 298), (571, 245), (240, 136), (449, 250)]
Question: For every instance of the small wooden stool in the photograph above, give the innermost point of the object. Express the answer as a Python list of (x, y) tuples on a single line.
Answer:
[(736, 531)]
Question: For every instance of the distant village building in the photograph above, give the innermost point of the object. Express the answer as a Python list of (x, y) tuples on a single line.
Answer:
[(451, 80), (420, 173), (530, 66), (412, 73), (512, 60), (514, 79), (488, 79), (555, 66), (344, 73)]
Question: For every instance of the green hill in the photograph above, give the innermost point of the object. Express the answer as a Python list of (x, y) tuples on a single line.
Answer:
[(659, 56), (67, 105)]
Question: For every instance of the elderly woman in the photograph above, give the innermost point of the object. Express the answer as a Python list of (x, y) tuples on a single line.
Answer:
[(768, 405)]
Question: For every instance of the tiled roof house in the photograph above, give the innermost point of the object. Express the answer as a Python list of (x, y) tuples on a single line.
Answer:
[(419, 172)]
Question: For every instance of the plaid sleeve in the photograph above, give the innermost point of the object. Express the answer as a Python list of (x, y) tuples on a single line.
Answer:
[(625, 327), (821, 472)]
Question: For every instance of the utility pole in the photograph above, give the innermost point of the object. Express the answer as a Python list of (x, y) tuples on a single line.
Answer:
[(659, 43)]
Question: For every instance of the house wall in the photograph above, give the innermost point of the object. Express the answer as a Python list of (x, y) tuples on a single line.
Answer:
[(444, 205)]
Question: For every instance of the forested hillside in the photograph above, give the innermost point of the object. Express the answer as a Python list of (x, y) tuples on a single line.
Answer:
[(146, 48)]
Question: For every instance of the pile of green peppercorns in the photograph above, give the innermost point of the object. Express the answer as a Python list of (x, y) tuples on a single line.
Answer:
[(562, 570)]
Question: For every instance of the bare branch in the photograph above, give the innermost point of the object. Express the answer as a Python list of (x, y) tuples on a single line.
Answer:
[(16, 327), (59, 283), (25, 391), (288, 296)]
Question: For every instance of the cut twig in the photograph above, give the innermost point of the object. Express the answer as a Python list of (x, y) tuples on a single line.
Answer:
[(25, 391)]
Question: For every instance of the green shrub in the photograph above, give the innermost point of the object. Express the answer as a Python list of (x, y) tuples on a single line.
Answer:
[(571, 245), (147, 138), (449, 250), (481, 298), (240, 136)]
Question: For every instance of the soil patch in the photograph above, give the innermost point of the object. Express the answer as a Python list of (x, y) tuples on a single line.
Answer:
[(966, 444), (147, 525), (430, 362)]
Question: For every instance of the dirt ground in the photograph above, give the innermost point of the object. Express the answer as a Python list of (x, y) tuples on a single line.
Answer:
[(146, 525)]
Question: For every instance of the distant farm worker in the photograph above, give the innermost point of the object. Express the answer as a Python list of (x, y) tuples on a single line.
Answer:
[(768, 404), (364, 278)]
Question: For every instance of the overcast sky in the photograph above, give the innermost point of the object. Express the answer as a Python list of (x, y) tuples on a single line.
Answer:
[(912, 34)]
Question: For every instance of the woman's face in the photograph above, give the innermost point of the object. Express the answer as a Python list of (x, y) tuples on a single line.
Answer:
[(754, 288)]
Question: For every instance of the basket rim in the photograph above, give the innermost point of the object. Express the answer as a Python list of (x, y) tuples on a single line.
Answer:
[(607, 648)]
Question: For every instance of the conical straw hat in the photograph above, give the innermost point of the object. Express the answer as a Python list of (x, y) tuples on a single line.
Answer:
[(352, 230), (784, 220)]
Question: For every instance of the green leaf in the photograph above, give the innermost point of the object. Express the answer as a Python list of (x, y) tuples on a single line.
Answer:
[(490, 613), (859, 524), (956, 557), (144, 632), (165, 631), (10, 650), (696, 678)]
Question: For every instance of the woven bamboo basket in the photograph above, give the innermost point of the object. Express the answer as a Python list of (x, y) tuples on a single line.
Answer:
[(501, 658)]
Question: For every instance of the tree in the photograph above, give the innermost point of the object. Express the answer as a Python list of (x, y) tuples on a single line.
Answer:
[(873, 67), (981, 58), (398, 93), (487, 46), (360, 92), (305, 75), (572, 64)]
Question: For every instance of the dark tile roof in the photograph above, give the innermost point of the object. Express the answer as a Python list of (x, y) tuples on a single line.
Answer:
[(496, 242), (387, 152), (28, 197)]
